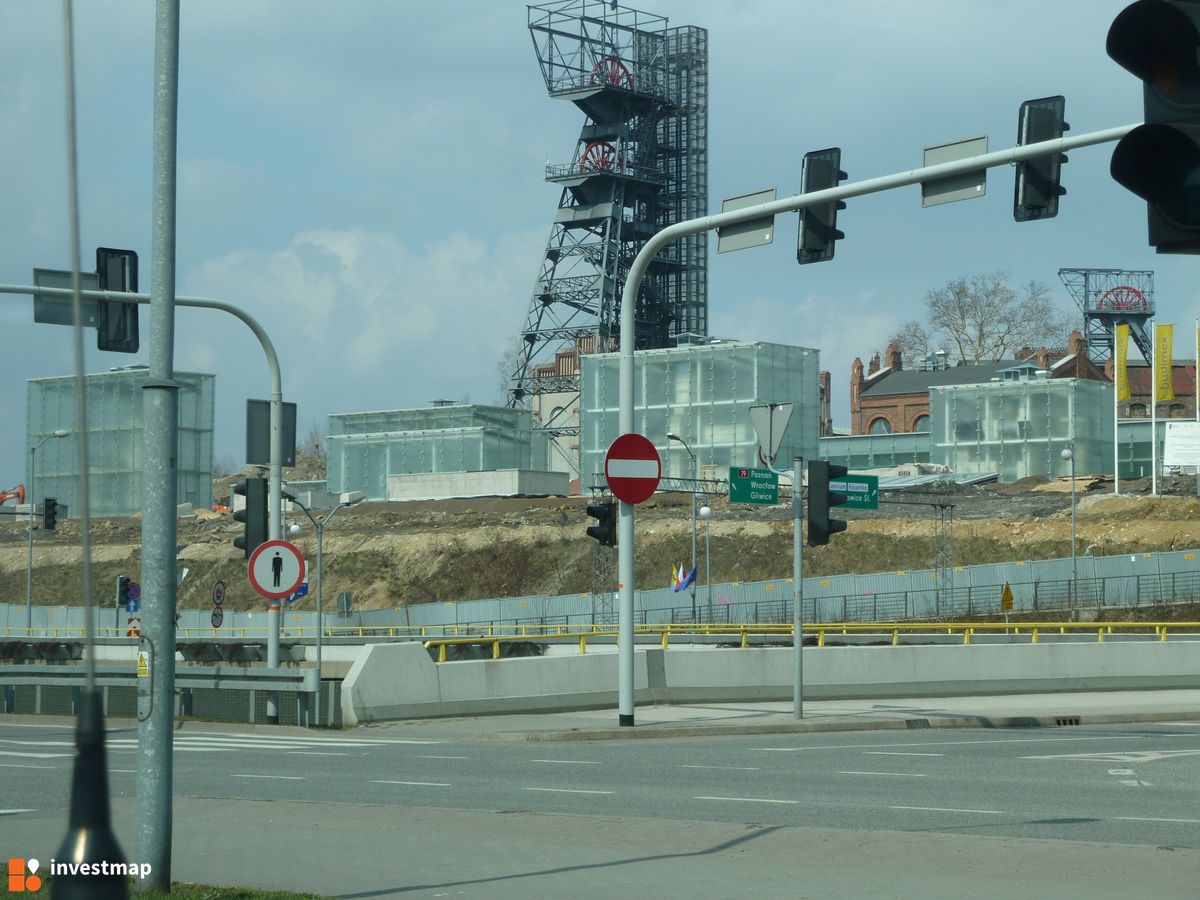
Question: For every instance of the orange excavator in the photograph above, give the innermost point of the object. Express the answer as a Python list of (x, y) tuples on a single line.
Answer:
[(18, 492)]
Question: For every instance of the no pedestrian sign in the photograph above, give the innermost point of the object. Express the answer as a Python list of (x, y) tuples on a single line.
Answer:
[(276, 569)]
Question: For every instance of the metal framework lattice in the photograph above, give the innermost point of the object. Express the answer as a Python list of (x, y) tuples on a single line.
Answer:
[(639, 164), (1110, 297)]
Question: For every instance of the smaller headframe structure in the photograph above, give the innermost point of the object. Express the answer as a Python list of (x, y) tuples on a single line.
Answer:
[(1111, 297)]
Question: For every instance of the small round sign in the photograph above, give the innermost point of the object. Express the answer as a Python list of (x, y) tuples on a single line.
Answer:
[(218, 593), (632, 468), (218, 616), (276, 569), (135, 590)]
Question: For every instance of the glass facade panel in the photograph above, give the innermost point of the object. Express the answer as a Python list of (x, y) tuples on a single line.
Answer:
[(116, 439), (703, 393)]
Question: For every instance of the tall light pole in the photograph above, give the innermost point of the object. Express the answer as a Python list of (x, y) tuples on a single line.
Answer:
[(33, 506), (347, 499), (706, 515), (1069, 455), (671, 436)]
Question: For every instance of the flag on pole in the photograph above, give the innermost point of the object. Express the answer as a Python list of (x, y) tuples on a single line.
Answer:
[(676, 577), (685, 581), (1163, 345), (1121, 354)]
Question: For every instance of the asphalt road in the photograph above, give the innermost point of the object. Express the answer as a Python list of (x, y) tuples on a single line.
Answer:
[(1099, 810)]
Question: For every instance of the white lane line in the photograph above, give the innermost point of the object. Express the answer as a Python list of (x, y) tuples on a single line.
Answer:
[(19, 725), (278, 777), (125, 771), (950, 743), (35, 755), (746, 799), (37, 743), (724, 768), (416, 783), (985, 812), (568, 762), (19, 766), (314, 753), (899, 753), (13, 812), (1148, 819), (440, 757), (893, 774), (566, 791), (345, 742)]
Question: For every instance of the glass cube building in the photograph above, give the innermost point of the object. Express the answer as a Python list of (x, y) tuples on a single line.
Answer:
[(703, 393), (1019, 428), (366, 447), (116, 439)]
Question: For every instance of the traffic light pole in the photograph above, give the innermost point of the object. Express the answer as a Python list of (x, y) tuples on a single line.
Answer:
[(798, 586), (633, 284)]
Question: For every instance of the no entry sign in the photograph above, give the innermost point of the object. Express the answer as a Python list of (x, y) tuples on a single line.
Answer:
[(632, 468)]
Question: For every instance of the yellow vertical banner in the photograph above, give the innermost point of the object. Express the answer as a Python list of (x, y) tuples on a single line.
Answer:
[(1164, 343), (1121, 355)]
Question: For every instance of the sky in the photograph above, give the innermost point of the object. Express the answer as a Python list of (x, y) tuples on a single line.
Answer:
[(366, 179)]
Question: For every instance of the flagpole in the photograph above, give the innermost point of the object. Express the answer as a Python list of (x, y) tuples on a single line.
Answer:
[(1196, 372), (1116, 439), (1154, 408)]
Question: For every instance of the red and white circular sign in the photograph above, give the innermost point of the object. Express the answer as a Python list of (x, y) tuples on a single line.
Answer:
[(632, 468), (276, 569)]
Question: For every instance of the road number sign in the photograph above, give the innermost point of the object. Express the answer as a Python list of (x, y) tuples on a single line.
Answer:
[(276, 569), (632, 468)]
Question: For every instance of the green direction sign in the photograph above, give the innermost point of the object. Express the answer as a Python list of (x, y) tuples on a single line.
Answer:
[(862, 491), (759, 486)]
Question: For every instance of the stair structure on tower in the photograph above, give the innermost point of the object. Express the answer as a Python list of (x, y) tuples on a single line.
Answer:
[(638, 165), (1111, 297)]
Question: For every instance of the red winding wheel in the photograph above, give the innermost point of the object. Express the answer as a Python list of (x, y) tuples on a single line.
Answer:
[(610, 70), (1123, 299), (598, 156)]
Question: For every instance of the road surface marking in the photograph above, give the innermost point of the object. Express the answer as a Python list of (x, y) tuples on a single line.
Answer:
[(1121, 772), (569, 762), (950, 743), (344, 742), (899, 753), (19, 766), (442, 757), (746, 799), (315, 753), (416, 783), (724, 768), (1130, 756), (1147, 819), (35, 755), (39, 725), (986, 812), (566, 791), (894, 774), (13, 812), (278, 777), (125, 771)]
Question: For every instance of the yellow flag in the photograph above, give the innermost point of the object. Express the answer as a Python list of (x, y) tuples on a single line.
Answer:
[(1121, 354), (1164, 343)]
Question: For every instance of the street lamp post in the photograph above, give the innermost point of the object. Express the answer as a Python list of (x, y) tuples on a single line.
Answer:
[(671, 436), (33, 506), (347, 499), (706, 515), (1069, 455)]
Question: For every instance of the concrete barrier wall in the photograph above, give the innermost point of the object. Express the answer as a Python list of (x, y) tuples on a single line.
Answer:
[(401, 681)]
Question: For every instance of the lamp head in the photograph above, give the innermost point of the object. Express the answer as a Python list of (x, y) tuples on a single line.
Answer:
[(1067, 454)]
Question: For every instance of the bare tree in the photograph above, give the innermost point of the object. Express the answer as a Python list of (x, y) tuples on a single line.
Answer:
[(314, 442), (912, 339), (981, 317)]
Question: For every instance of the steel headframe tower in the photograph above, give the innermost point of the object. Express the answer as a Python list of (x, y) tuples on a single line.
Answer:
[(640, 163), (1111, 297)]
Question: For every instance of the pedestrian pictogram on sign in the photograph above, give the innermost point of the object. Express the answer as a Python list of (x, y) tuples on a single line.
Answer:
[(632, 468), (276, 569)]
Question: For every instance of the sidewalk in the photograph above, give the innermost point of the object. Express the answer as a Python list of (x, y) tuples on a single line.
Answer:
[(707, 719)]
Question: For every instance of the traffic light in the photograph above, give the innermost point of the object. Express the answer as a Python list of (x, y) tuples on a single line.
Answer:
[(821, 500), (1158, 41), (254, 514), (49, 513), (117, 323), (818, 224), (123, 583), (605, 529), (1037, 185)]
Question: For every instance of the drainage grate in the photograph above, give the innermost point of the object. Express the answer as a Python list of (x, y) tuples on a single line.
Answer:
[(1067, 720)]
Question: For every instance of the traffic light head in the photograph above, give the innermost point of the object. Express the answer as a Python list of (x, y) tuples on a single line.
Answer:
[(254, 514), (821, 500), (123, 583), (49, 513), (117, 322), (1037, 183), (1158, 41), (605, 529), (818, 224)]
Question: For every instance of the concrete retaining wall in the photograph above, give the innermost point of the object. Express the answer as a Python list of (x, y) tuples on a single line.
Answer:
[(401, 681)]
